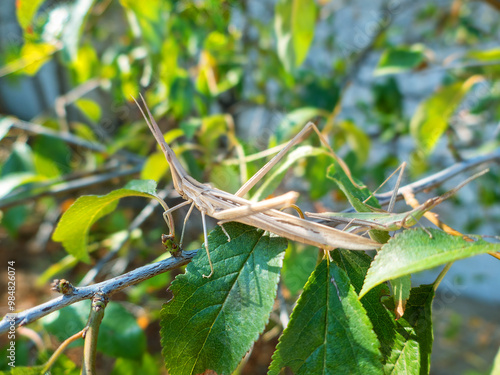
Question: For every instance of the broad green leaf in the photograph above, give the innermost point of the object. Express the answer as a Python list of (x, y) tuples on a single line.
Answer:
[(89, 108), (52, 156), (492, 54), (25, 11), (74, 27), (283, 29), (151, 19), (431, 118), (211, 323), (356, 264), (400, 59), (496, 364), (181, 97), (22, 370), (298, 265), (119, 334), (303, 25), (413, 250), (31, 58), (329, 331), (155, 167), (418, 315), (356, 196), (73, 227), (5, 124), (20, 160), (13, 218), (146, 365), (13, 180), (294, 24)]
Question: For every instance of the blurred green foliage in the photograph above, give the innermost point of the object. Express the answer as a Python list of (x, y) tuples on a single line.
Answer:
[(226, 80)]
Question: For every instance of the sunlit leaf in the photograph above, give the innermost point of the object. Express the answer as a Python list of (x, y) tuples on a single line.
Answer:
[(90, 108), (431, 119), (74, 27), (52, 156), (416, 251), (211, 323), (400, 59), (294, 24), (73, 227), (25, 11)]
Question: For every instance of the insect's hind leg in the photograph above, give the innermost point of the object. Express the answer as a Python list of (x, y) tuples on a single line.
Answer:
[(205, 236)]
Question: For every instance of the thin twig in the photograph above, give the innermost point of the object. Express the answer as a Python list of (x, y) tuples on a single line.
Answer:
[(438, 178), (60, 350), (64, 187), (64, 100), (108, 287), (70, 138)]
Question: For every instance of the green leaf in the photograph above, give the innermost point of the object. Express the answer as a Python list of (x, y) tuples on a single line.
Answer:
[(13, 180), (147, 365), (294, 24), (73, 227), (25, 11), (52, 156), (119, 334), (400, 59), (155, 167), (211, 323), (418, 314), (303, 24), (74, 27), (89, 108), (496, 364), (20, 160), (329, 331), (431, 118), (181, 97), (298, 265), (5, 125), (356, 264), (415, 251)]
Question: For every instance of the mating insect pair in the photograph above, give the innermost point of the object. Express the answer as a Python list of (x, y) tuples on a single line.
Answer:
[(265, 215)]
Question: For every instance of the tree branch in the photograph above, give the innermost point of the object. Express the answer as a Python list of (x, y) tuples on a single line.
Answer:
[(107, 287), (439, 178)]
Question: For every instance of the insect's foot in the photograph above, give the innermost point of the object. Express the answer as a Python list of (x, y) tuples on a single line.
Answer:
[(225, 232), (209, 276)]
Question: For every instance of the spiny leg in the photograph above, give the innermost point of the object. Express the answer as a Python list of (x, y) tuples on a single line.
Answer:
[(204, 222)]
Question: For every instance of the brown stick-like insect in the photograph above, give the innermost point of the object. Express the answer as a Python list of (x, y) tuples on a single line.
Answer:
[(227, 207)]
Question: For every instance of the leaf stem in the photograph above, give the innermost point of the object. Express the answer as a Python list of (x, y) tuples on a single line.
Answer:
[(60, 350), (441, 275)]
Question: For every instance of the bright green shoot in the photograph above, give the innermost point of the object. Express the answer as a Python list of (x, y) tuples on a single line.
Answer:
[(387, 221)]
